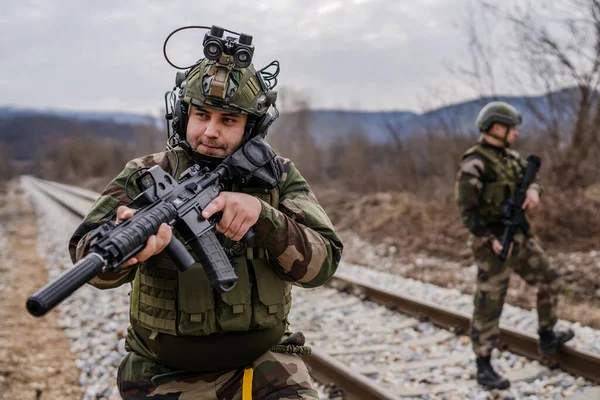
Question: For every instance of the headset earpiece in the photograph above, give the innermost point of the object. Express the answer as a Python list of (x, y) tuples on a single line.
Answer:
[(180, 117), (264, 123)]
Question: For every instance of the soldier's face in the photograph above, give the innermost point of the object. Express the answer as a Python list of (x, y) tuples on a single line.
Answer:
[(213, 132), (513, 134), (500, 130)]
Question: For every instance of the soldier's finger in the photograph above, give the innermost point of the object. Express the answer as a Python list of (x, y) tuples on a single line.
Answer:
[(525, 204), (217, 204), (124, 212), (147, 251), (241, 231), (226, 220), (234, 227), (163, 237), (496, 246), (131, 261)]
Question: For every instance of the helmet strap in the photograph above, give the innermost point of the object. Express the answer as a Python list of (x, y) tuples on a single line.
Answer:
[(503, 139), (249, 129)]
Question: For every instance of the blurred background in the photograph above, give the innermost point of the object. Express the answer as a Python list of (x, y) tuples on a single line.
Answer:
[(378, 101)]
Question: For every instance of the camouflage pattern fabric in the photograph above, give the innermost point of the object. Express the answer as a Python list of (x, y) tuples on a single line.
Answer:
[(213, 84), (474, 172), (276, 376), (529, 261), (299, 236)]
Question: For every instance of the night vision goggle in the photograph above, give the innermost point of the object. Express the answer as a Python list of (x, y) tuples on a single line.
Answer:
[(215, 46)]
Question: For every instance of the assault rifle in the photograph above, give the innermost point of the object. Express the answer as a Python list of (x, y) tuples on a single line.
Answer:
[(179, 204), (513, 213)]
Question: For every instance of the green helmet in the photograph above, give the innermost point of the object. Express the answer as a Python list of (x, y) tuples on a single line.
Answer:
[(497, 112), (220, 84)]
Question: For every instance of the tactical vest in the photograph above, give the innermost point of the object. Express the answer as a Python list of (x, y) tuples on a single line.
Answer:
[(167, 301), (508, 174)]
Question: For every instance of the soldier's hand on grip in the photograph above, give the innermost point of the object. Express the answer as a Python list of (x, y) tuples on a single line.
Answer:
[(497, 247), (532, 200), (240, 213), (155, 243)]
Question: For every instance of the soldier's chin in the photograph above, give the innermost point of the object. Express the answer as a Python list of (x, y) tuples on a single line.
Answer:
[(211, 151)]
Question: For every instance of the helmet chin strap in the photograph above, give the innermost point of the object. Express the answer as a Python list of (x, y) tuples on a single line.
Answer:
[(503, 139)]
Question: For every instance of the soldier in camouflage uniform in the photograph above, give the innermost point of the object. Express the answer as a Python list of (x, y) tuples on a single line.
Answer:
[(488, 175), (185, 340)]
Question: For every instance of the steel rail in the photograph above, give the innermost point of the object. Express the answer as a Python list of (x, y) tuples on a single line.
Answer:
[(325, 368), (577, 362)]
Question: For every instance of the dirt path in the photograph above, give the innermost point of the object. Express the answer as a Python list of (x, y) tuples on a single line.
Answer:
[(35, 361)]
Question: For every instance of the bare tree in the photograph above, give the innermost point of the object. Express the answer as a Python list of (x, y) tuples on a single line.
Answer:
[(292, 135), (7, 168), (553, 46)]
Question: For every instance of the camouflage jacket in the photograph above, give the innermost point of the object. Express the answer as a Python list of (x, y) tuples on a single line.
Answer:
[(474, 173), (299, 237)]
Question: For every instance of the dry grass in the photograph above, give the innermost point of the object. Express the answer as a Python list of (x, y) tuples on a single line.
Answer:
[(567, 221)]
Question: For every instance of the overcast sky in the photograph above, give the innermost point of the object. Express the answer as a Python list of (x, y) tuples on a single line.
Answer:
[(353, 54)]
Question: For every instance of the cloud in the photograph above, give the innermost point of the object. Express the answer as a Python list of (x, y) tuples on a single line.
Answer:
[(376, 54)]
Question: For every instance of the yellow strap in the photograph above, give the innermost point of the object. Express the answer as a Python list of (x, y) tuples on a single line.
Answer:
[(247, 384)]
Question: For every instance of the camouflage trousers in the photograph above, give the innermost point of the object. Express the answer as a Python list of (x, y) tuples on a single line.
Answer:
[(275, 376), (529, 261)]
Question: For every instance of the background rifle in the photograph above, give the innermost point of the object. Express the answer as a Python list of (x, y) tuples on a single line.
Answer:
[(514, 215)]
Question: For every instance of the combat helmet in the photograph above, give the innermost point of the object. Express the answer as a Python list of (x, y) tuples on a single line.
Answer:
[(220, 85), (498, 112)]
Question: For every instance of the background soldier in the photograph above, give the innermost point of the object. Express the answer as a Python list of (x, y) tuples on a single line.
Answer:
[(488, 175), (185, 340)]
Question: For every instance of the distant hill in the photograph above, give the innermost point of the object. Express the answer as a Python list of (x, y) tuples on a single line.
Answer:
[(329, 125), (7, 112), (23, 130), (24, 134)]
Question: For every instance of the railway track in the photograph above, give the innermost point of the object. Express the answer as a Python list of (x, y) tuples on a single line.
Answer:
[(381, 332)]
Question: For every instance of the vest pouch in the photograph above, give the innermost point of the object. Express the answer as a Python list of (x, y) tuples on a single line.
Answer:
[(494, 196), (196, 303), (232, 310), (270, 309), (154, 294)]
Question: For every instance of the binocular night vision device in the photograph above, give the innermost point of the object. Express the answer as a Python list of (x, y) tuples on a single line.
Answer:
[(241, 49)]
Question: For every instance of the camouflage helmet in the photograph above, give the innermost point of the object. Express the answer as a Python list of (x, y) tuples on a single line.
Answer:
[(221, 85), (498, 112)]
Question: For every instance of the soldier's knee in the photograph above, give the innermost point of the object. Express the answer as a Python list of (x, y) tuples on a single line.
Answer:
[(282, 376)]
